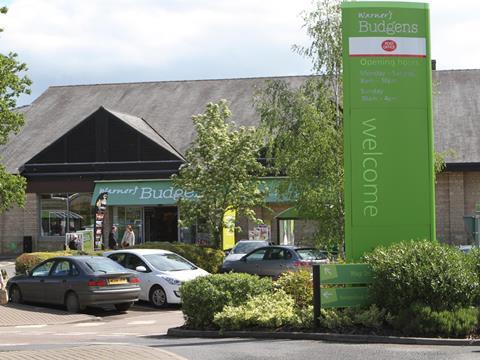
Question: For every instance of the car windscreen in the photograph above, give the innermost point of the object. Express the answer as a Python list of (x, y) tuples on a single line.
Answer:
[(311, 254), (246, 247), (169, 262), (103, 265)]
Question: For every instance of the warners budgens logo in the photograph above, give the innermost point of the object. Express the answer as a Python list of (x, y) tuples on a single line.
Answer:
[(381, 23), (389, 45), (150, 193)]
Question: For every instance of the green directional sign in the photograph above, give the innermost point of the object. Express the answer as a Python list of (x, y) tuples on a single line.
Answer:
[(344, 297), (388, 137), (331, 274)]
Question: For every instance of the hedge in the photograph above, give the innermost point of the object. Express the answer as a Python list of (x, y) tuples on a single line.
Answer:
[(207, 258), (28, 261)]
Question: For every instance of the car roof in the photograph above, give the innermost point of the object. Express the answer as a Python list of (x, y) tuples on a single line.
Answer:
[(139, 251)]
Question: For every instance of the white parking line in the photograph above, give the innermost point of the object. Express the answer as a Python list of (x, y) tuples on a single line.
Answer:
[(118, 334), (29, 326), (76, 333), (89, 324), (140, 322), (17, 344)]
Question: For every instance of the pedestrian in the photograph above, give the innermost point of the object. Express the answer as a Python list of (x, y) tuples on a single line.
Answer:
[(128, 239), (112, 238), (3, 287)]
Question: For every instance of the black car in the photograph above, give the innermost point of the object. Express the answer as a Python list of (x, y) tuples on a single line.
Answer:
[(76, 282)]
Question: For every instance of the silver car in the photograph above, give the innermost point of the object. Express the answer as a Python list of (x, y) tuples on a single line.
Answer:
[(274, 260)]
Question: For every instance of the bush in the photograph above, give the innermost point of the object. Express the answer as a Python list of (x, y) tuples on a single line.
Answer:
[(28, 261), (207, 258), (205, 296), (421, 320), (262, 311), (298, 285), (421, 271), (338, 319)]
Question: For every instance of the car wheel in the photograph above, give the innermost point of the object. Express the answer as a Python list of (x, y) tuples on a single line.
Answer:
[(158, 298), (71, 303), (123, 306), (16, 295)]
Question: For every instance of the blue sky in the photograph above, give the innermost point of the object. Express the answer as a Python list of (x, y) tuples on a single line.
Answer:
[(98, 41)]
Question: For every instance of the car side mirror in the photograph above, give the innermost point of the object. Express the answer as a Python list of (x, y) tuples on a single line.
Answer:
[(141, 269)]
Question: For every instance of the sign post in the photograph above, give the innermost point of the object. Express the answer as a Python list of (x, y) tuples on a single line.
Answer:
[(388, 132)]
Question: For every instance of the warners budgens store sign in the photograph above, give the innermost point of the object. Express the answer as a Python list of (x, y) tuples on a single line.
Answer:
[(389, 183), (158, 192)]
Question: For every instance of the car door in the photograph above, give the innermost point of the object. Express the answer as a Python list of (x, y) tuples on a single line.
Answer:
[(61, 278), (132, 261), (275, 261), (32, 287), (251, 263)]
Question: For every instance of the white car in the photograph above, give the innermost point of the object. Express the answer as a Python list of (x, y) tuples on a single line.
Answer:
[(161, 273)]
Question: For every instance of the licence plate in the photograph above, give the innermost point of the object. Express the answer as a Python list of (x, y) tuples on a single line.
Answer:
[(117, 281)]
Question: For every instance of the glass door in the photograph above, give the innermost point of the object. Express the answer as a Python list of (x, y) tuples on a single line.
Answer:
[(129, 215)]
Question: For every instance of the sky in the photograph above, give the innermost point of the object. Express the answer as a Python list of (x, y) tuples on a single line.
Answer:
[(68, 42)]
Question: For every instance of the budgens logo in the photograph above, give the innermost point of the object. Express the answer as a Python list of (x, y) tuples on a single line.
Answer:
[(382, 23)]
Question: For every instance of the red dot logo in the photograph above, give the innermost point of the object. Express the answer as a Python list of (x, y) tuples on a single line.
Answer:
[(389, 45)]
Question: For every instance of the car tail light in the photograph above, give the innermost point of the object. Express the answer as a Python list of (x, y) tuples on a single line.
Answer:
[(97, 282), (134, 280), (301, 263)]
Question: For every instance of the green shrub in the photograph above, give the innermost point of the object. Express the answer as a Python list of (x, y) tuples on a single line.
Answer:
[(421, 320), (298, 285), (473, 258), (339, 319), (303, 318), (421, 271), (268, 310), (207, 258), (28, 261), (203, 297)]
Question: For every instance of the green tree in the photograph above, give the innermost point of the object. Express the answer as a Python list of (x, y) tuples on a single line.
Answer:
[(12, 85), (305, 127), (222, 169)]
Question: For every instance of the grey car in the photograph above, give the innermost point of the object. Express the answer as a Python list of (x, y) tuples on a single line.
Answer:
[(274, 260), (76, 282)]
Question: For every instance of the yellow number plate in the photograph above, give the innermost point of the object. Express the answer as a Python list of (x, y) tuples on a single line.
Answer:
[(117, 281)]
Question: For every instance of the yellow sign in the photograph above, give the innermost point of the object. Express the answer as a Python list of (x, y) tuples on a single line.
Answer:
[(229, 230)]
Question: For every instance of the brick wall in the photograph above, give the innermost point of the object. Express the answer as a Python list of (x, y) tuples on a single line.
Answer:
[(17, 223)]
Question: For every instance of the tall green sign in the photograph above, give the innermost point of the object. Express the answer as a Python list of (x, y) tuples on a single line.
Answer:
[(389, 176)]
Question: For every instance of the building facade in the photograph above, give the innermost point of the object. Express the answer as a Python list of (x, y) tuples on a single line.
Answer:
[(128, 139)]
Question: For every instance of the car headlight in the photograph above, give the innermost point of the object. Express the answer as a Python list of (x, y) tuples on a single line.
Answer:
[(172, 281)]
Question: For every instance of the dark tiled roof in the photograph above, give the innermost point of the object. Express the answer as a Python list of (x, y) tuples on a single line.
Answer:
[(166, 106)]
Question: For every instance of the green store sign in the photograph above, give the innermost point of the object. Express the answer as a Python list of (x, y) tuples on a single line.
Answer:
[(159, 192), (388, 137)]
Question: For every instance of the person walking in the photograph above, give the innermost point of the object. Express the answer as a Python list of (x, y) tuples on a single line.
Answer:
[(112, 238), (128, 239)]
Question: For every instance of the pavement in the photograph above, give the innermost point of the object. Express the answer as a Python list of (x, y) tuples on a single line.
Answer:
[(25, 315), (98, 352)]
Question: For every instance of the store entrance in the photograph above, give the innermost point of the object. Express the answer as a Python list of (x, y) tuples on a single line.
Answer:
[(161, 223)]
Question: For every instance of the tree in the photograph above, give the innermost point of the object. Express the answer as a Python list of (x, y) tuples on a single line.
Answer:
[(305, 127), (12, 85), (222, 169)]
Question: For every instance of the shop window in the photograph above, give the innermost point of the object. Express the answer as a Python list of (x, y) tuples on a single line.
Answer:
[(62, 213)]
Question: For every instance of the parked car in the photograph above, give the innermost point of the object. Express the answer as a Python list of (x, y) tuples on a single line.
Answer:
[(76, 282), (274, 260), (161, 273), (243, 247)]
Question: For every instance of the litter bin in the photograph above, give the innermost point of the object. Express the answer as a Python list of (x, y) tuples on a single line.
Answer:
[(27, 244)]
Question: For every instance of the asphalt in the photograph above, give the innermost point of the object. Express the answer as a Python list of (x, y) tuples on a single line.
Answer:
[(98, 352)]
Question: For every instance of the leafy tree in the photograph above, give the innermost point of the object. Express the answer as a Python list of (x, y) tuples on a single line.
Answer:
[(12, 85), (305, 127), (222, 169)]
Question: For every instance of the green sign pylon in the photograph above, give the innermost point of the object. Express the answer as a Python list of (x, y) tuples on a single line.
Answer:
[(389, 173)]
